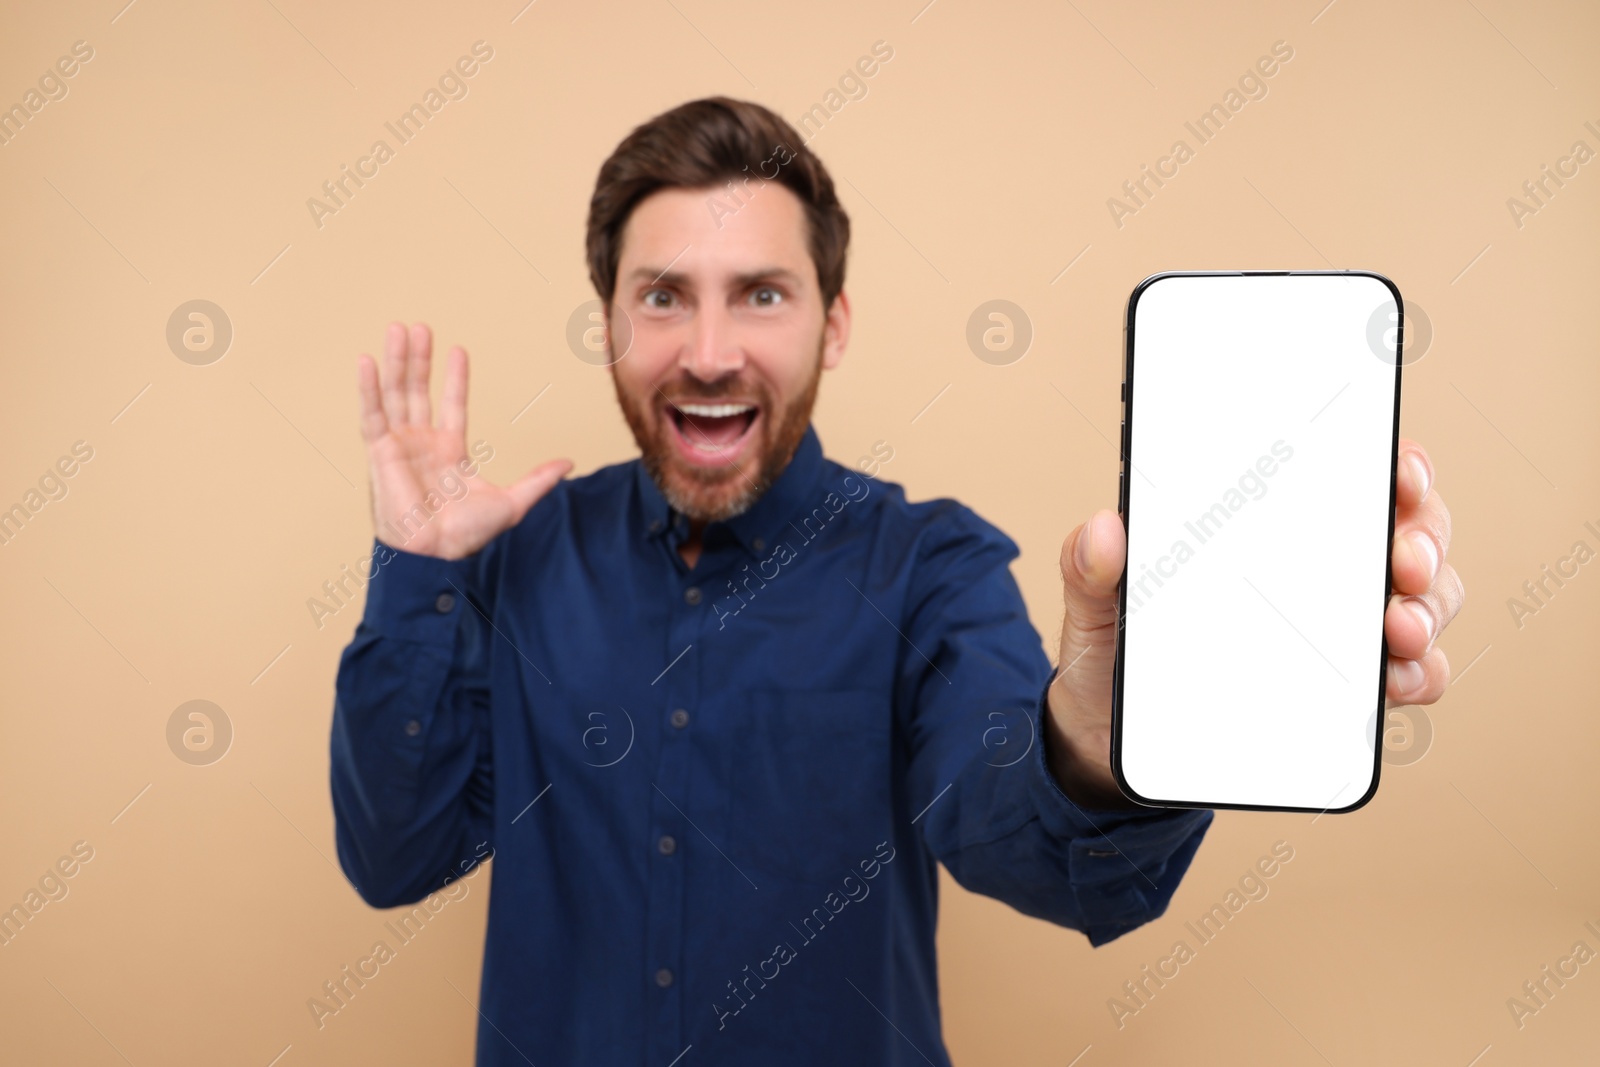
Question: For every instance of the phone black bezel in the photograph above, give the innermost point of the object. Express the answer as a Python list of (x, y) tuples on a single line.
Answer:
[(1122, 508)]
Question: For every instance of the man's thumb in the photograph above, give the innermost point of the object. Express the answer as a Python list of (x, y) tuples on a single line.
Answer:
[(1091, 565), (526, 491)]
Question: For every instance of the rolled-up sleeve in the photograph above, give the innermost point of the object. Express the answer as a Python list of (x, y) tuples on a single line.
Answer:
[(410, 749), (1000, 823)]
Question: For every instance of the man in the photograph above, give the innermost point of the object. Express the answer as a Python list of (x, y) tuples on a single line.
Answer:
[(718, 712)]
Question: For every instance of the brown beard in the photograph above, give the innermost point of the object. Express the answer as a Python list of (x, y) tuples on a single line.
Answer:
[(716, 496)]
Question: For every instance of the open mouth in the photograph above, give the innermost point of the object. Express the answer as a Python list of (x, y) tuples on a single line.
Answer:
[(712, 434)]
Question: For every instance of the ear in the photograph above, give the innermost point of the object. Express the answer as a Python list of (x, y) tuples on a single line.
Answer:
[(836, 331)]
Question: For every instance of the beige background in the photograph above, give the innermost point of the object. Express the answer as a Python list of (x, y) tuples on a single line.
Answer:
[(978, 166)]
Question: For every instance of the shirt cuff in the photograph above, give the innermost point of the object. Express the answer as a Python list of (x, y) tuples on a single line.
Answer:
[(1123, 865), (411, 597)]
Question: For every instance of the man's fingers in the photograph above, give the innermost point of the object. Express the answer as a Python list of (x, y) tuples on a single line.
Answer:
[(526, 491), (419, 410), (1417, 681), (1091, 565), (373, 423), (1413, 623), (394, 374), (1421, 539), (1414, 476), (453, 403)]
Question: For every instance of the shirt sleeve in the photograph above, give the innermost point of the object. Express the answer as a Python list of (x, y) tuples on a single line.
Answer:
[(976, 679), (410, 748)]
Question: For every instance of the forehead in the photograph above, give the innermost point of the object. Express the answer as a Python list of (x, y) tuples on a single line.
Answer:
[(707, 230)]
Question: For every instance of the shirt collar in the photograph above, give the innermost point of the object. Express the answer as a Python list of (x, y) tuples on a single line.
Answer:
[(758, 526)]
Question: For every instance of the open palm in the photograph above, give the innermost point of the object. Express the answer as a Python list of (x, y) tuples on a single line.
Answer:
[(423, 499)]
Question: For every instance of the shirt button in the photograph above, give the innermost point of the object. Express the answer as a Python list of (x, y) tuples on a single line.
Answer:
[(691, 595), (758, 544), (667, 845), (663, 978), (655, 526), (680, 718), (413, 728), (445, 602)]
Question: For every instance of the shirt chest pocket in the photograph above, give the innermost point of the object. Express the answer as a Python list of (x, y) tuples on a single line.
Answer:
[(811, 783)]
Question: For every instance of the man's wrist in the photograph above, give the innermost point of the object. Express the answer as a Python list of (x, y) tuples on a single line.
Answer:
[(1087, 782)]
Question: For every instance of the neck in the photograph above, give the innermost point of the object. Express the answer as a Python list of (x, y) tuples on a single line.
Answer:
[(690, 549)]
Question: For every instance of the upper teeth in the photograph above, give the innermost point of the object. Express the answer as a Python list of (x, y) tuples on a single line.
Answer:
[(715, 411)]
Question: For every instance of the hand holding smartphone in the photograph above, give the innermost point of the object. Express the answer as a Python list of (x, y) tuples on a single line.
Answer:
[(1260, 435)]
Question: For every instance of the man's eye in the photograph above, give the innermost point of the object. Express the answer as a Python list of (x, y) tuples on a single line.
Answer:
[(766, 297), (658, 298)]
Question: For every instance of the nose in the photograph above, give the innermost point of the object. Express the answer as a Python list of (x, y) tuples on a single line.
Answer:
[(713, 351)]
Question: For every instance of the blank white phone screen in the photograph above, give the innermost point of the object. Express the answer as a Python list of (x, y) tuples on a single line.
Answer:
[(1262, 415)]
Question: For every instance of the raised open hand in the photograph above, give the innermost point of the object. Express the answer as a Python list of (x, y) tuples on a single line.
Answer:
[(427, 497)]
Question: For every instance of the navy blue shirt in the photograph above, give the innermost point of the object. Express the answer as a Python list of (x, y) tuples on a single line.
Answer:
[(716, 796)]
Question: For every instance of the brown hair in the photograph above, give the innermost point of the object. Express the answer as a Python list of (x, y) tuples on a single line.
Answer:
[(708, 143)]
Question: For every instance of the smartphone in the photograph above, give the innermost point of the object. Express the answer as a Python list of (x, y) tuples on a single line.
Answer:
[(1261, 422)]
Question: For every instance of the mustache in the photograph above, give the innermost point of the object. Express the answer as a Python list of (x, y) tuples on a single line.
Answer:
[(710, 394)]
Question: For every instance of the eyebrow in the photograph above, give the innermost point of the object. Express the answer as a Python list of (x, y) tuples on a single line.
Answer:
[(744, 278)]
